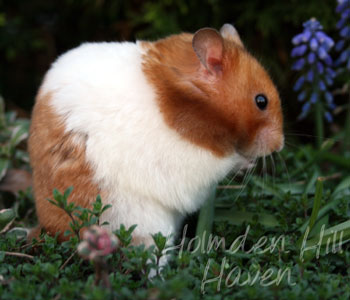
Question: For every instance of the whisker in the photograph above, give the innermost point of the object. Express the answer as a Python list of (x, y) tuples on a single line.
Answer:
[(292, 145), (273, 169), (264, 170), (230, 180), (313, 136), (285, 167), (246, 179)]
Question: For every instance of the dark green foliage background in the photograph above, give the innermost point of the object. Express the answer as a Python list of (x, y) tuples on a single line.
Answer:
[(33, 33)]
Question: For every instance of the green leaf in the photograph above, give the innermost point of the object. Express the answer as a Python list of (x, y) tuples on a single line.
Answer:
[(52, 202), (57, 196), (6, 216), (343, 185), (2, 113), (19, 233), (4, 165), (107, 206), (342, 231), (160, 241), (19, 134), (67, 192), (274, 190)]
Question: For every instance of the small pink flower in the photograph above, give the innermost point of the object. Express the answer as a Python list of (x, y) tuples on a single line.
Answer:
[(97, 242)]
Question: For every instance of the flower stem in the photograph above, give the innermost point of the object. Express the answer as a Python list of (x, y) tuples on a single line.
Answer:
[(347, 126), (319, 123)]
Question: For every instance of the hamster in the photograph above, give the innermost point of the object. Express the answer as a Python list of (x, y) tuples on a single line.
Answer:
[(150, 126)]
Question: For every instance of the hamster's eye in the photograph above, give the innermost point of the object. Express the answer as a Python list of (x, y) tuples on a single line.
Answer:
[(261, 101)]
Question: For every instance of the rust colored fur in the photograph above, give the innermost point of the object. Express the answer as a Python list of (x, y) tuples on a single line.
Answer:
[(214, 112), (58, 160)]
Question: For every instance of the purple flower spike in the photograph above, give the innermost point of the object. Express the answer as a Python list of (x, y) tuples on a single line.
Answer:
[(306, 36), (297, 39), (341, 6), (329, 97), (322, 53), (299, 64), (330, 72), (340, 45), (311, 58), (306, 107), (328, 117), (299, 51), (345, 32), (317, 75), (320, 36), (320, 67), (346, 14), (322, 86), (328, 60), (329, 42), (314, 98), (310, 75), (329, 80), (302, 96), (299, 83), (313, 44), (343, 25), (343, 57)]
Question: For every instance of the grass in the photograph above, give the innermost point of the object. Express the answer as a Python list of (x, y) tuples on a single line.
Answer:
[(280, 232), (271, 230)]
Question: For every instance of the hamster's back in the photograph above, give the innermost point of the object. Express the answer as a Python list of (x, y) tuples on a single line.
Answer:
[(83, 88)]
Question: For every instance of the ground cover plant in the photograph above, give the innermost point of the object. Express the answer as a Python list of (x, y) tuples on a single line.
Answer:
[(281, 230)]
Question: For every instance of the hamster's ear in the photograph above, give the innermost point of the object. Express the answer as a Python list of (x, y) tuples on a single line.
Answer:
[(229, 32), (208, 44)]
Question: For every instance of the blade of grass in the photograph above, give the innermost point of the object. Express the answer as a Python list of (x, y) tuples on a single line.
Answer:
[(323, 221), (311, 183), (343, 228), (336, 159), (315, 209), (205, 221), (334, 200)]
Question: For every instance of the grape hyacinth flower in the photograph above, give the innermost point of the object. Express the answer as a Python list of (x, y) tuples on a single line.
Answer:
[(343, 62), (343, 25), (311, 52)]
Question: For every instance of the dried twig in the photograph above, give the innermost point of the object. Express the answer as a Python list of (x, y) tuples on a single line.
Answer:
[(230, 187), (7, 227), (68, 260), (330, 177), (18, 254)]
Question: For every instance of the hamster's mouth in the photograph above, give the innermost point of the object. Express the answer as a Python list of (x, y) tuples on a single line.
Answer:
[(246, 161)]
